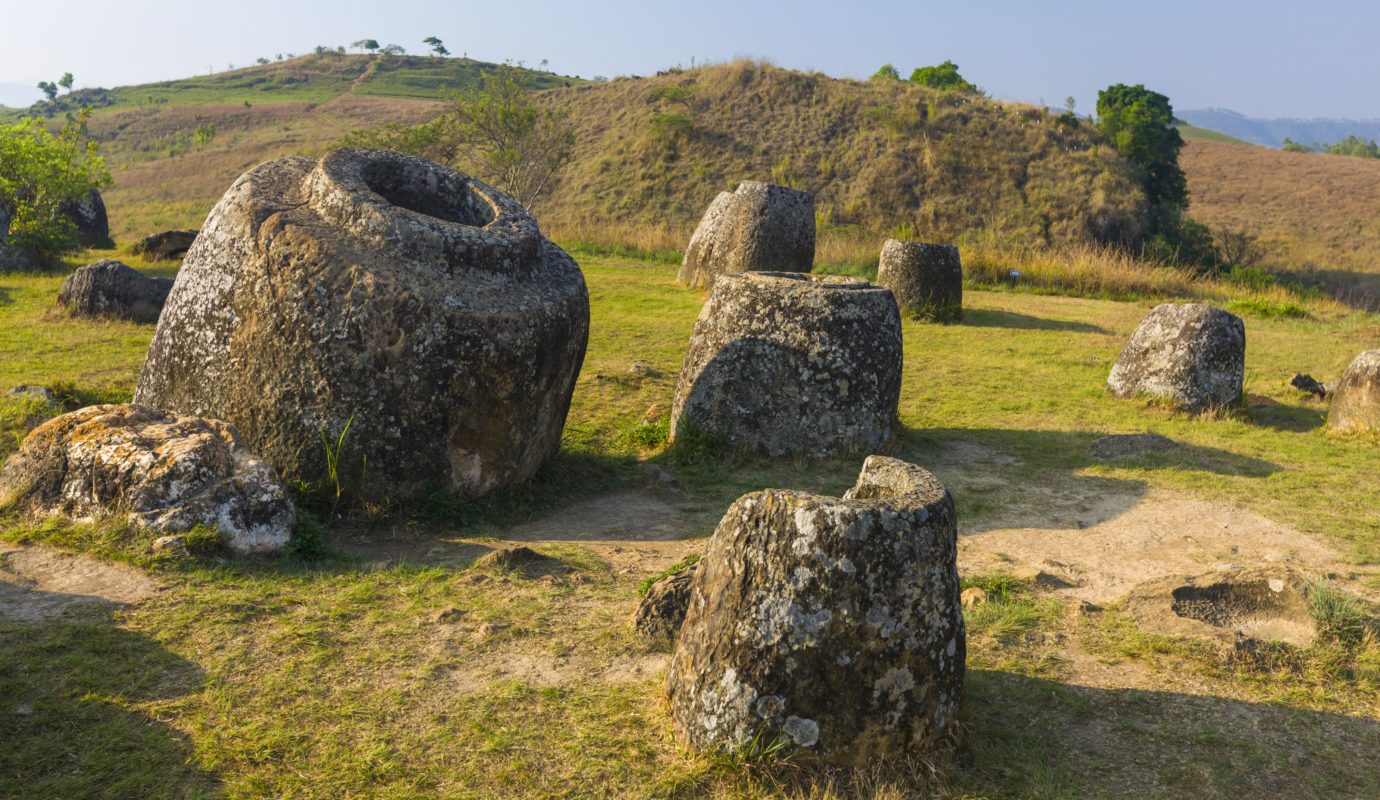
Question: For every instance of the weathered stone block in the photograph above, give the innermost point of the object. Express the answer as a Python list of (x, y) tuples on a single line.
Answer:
[(759, 227)]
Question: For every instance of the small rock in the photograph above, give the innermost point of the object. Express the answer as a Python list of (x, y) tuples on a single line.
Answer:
[(166, 245), (23, 710), (170, 545), (654, 413), (1084, 607), (447, 616), (491, 629), (972, 597), (1305, 383), (660, 477), (36, 392), (1190, 355), (642, 368), (1039, 577)]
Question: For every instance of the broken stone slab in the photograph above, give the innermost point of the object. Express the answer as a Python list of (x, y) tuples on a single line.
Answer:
[(927, 279), (662, 610), (830, 625), (395, 312), (1237, 607), (757, 227), (161, 471), (109, 288), (1306, 383), (782, 363), (1356, 400), (1188, 354), (41, 393), (166, 245)]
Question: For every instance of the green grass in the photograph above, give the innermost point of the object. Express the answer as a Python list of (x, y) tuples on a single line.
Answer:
[(328, 676), (1191, 133)]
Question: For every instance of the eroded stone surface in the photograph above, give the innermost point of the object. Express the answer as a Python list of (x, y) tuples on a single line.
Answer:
[(1237, 607), (1189, 354), (757, 227), (406, 300), (161, 470), (927, 279), (832, 624), (783, 363), (88, 214), (1356, 400), (166, 244), (662, 610), (109, 288)]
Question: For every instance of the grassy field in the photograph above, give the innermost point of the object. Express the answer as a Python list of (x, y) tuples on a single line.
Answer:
[(348, 676)]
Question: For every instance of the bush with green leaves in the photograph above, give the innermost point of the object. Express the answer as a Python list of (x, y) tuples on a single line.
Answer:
[(40, 172), (943, 77), (1139, 124)]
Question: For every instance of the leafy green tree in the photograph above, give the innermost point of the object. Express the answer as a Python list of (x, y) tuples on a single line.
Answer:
[(1355, 146), (39, 172), (49, 89), (494, 130), (394, 50), (1139, 124), (66, 81), (366, 44), (886, 72), (1295, 147), (436, 46), (944, 77)]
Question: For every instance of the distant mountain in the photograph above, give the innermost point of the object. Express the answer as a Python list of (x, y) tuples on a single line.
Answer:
[(1271, 132)]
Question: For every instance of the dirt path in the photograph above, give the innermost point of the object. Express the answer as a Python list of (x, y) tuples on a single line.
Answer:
[(39, 584)]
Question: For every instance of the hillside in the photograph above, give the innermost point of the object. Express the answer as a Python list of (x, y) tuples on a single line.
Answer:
[(877, 154), (1192, 133), (175, 146), (651, 152), (1317, 216)]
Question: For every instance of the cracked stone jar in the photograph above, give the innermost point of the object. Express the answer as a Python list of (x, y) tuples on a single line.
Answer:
[(378, 320)]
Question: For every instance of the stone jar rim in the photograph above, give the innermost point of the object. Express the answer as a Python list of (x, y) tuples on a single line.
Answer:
[(431, 211), (805, 280)]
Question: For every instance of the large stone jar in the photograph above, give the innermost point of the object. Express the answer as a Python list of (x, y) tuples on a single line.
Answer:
[(757, 227), (782, 363), (419, 307), (1190, 355), (1356, 400), (927, 279), (829, 625)]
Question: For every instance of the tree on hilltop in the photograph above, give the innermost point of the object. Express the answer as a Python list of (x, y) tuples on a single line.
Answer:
[(943, 77), (49, 90), (366, 44), (886, 72), (394, 50), (436, 46), (1139, 123), (66, 81)]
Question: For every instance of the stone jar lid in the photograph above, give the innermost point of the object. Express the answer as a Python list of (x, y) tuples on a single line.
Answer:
[(431, 212)]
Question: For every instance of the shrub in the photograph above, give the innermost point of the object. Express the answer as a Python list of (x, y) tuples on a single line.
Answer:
[(672, 125), (40, 172), (943, 77)]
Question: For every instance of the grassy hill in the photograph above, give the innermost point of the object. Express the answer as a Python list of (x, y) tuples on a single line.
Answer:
[(877, 154), (1317, 216), (1192, 133)]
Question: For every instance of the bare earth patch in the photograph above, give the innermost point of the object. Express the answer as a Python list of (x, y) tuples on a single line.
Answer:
[(1163, 534), (39, 584)]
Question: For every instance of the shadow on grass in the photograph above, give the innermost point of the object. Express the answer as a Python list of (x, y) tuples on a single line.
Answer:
[(1031, 479), (1285, 417), (987, 318), (66, 732), (1031, 737), (6, 297)]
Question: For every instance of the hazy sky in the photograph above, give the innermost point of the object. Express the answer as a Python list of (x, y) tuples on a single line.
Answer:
[(1260, 58)]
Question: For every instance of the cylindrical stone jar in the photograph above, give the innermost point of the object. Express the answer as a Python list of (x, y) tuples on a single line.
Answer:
[(927, 279)]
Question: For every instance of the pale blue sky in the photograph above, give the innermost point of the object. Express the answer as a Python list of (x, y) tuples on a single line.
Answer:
[(1298, 59)]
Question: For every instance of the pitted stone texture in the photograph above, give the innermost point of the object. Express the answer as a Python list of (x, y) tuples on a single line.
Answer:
[(109, 288), (413, 303), (166, 244), (759, 227), (1356, 400), (831, 624), (782, 363), (88, 214), (927, 279), (163, 471), (1190, 354), (662, 610)]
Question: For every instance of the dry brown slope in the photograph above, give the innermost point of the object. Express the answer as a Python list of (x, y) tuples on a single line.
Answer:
[(1315, 214)]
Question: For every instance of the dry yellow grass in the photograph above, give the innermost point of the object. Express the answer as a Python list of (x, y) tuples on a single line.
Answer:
[(1317, 216)]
